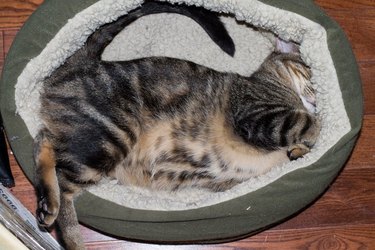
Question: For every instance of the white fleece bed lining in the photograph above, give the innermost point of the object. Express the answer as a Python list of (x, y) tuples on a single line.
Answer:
[(182, 38)]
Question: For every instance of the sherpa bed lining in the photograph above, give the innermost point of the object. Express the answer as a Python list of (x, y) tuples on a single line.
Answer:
[(182, 38)]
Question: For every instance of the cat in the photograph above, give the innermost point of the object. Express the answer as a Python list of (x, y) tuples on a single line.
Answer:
[(162, 123)]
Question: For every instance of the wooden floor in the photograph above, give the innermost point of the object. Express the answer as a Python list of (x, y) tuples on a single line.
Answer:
[(343, 218)]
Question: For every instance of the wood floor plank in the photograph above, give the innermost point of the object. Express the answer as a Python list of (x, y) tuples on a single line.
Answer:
[(23, 190), (367, 70), (346, 237), (342, 237), (357, 19), (358, 30), (9, 35), (363, 155), (345, 5), (2, 56), (13, 13)]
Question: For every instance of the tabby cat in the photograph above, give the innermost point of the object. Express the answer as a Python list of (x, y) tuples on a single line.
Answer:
[(163, 123)]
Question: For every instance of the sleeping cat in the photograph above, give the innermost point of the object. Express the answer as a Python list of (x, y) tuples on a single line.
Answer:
[(163, 123)]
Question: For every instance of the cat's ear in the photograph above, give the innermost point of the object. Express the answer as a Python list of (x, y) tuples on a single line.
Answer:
[(286, 47)]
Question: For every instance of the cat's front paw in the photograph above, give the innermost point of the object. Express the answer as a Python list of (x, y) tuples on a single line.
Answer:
[(297, 151), (47, 211)]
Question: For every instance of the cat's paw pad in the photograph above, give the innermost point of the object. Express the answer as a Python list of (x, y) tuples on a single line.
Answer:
[(46, 212), (297, 151)]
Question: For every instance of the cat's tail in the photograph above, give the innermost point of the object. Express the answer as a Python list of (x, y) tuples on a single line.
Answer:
[(208, 20)]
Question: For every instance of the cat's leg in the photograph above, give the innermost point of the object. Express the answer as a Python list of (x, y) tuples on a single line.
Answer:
[(305, 137), (72, 177), (67, 220), (48, 191)]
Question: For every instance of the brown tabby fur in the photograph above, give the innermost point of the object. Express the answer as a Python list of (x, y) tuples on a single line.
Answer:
[(162, 123)]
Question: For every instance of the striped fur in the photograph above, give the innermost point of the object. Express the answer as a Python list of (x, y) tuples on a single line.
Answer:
[(163, 123)]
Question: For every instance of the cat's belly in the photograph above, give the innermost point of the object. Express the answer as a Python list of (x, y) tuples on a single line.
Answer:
[(161, 161)]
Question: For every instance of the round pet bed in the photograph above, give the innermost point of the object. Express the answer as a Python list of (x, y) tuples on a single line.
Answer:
[(58, 28)]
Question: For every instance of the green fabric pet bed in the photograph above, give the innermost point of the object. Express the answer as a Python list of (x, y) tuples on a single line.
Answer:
[(58, 28)]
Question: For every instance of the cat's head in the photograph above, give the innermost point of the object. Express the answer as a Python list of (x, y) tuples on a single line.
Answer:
[(291, 71)]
